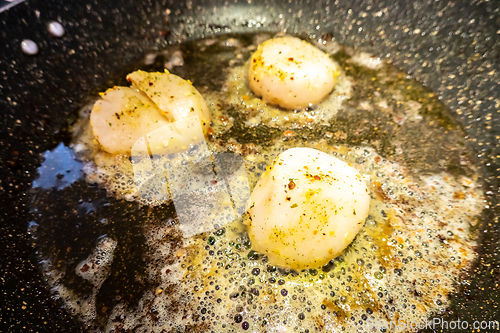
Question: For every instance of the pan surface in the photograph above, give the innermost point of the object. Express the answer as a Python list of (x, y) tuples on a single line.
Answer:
[(450, 47)]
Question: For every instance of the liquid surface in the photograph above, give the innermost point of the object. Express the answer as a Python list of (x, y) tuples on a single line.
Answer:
[(120, 260)]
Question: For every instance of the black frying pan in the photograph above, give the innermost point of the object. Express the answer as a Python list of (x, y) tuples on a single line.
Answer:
[(452, 47)]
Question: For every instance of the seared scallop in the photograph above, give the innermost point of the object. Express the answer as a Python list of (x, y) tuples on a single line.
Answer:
[(306, 209), (122, 116), (162, 109), (176, 97), (291, 73)]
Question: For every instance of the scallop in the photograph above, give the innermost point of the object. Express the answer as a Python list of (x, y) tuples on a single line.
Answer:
[(162, 109), (174, 96), (291, 73), (306, 209), (122, 116)]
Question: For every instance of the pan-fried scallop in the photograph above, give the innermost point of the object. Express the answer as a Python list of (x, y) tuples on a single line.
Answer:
[(122, 116), (176, 97), (307, 207), (291, 73), (125, 115)]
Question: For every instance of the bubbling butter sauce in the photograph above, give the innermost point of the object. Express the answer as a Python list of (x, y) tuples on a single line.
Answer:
[(119, 259)]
